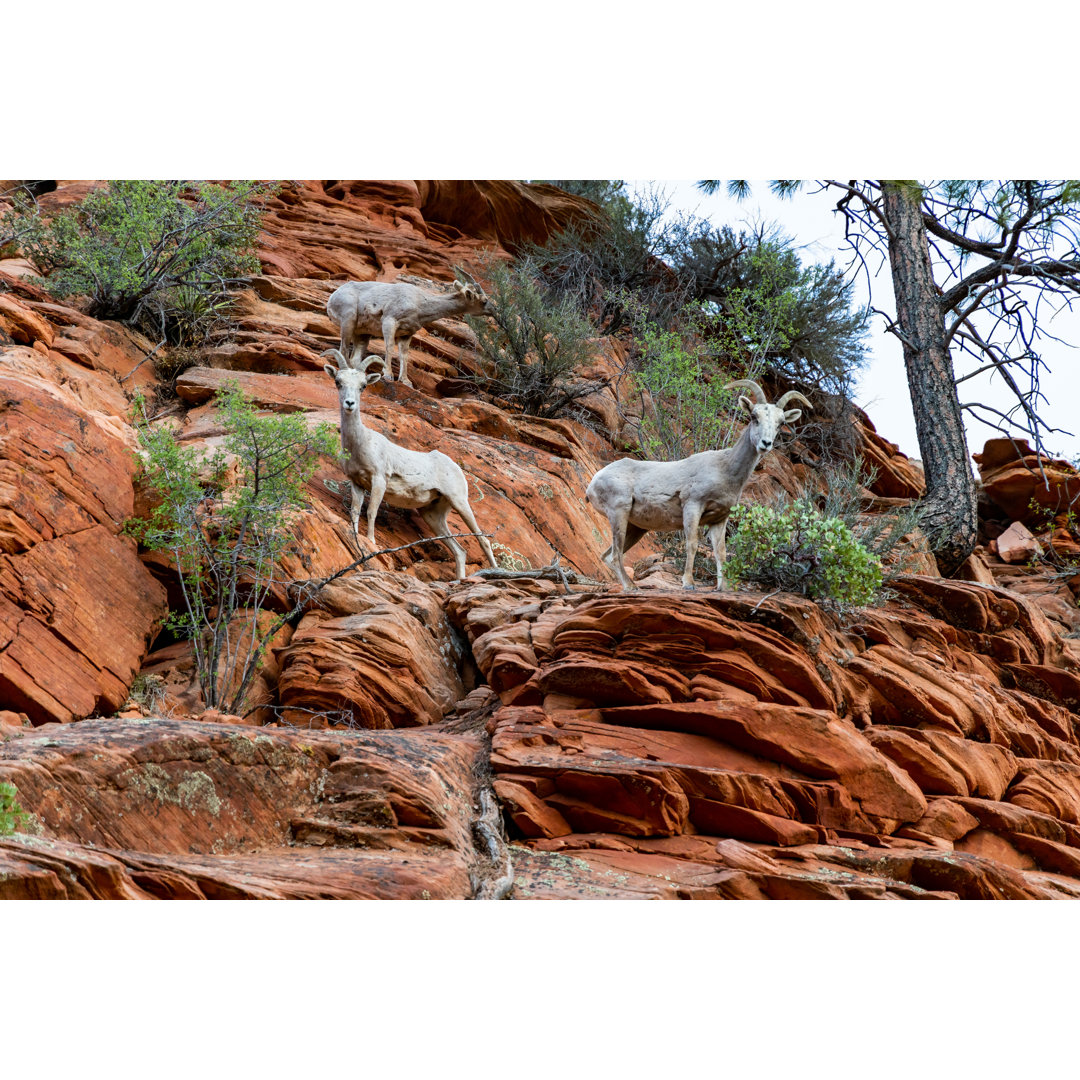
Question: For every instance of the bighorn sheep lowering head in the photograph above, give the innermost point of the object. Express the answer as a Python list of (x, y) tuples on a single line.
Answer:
[(365, 309), (642, 496), (430, 483)]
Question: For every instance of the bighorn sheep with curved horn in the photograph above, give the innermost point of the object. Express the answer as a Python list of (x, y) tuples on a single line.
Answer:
[(430, 482), (642, 496), (397, 310)]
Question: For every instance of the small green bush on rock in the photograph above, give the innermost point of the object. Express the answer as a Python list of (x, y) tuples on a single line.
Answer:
[(12, 815), (800, 550)]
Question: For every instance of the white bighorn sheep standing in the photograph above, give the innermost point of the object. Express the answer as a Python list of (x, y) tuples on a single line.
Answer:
[(365, 309), (430, 482), (642, 496)]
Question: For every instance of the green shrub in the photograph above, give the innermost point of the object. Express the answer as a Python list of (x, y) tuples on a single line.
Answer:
[(12, 815), (160, 255), (532, 345), (801, 550), (688, 409), (225, 520)]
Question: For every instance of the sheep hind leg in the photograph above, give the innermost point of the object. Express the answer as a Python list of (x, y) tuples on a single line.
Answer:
[(347, 344), (389, 329), (435, 516), (620, 530), (403, 361), (464, 511)]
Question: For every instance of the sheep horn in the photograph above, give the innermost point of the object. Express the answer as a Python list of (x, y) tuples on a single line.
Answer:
[(470, 280), (342, 363), (749, 384), (793, 395), (369, 362)]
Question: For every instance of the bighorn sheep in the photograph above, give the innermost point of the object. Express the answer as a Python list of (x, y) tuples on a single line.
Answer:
[(365, 309), (428, 482), (641, 496)]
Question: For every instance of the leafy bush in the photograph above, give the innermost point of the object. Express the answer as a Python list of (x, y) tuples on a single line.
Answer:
[(225, 521), (12, 815), (801, 550), (688, 410), (158, 254), (534, 347)]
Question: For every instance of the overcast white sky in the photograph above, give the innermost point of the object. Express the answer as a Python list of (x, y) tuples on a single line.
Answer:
[(882, 390)]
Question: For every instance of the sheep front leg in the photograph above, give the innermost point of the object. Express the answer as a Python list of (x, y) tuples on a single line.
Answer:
[(717, 537), (691, 523), (389, 329), (378, 490), (356, 504)]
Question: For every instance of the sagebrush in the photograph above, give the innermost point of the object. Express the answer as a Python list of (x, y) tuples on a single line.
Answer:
[(160, 255), (532, 345)]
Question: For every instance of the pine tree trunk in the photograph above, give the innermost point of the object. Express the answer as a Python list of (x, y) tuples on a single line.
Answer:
[(951, 501)]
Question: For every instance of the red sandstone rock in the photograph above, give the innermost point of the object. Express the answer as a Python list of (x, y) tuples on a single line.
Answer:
[(1016, 544), (1014, 478), (190, 810), (976, 569), (897, 476), (20, 325), (507, 212), (377, 652)]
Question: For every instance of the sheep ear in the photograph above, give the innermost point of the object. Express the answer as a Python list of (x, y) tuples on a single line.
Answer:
[(331, 371), (373, 377), (792, 415), (747, 404)]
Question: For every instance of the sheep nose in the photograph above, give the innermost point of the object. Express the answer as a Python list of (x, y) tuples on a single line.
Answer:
[(349, 405), (765, 445)]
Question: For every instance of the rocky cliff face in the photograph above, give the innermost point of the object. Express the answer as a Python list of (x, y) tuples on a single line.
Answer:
[(652, 744)]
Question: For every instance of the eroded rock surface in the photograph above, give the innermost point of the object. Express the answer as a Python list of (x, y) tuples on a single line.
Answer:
[(187, 810), (854, 757)]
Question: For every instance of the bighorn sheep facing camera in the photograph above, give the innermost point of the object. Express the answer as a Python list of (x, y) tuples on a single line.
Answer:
[(642, 496), (430, 482), (365, 309)]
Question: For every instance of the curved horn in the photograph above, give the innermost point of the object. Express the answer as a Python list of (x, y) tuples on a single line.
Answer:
[(342, 363), (465, 274), (749, 384), (368, 363), (793, 395)]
